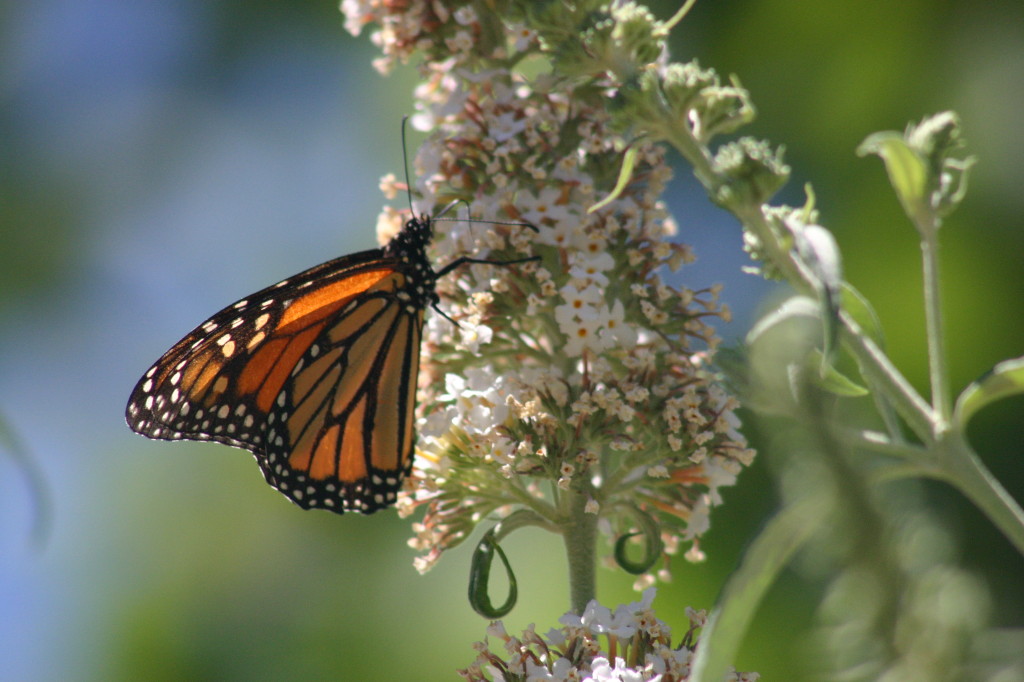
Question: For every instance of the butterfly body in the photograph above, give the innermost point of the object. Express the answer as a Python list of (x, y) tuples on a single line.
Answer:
[(315, 375)]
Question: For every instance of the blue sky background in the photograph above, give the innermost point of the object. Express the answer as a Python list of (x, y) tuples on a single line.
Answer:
[(159, 160)]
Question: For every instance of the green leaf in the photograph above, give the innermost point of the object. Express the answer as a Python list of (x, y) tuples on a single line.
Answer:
[(626, 172), (908, 169), (836, 383), (762, 563), (793, 308), (780, 344), (1003, 380), (858, 307)]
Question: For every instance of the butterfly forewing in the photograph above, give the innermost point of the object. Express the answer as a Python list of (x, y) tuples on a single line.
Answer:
[(315, 376)]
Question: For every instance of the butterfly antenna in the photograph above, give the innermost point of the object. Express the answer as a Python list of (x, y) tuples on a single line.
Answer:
[(405, 163), (440, 217)]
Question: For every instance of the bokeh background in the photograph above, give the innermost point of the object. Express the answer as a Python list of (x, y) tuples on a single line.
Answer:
[(161, 159)]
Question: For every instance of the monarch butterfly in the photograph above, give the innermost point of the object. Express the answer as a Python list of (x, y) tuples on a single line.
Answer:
[(315, 375)]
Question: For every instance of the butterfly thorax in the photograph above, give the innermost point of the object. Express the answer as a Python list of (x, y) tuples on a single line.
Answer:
[(410, 247)]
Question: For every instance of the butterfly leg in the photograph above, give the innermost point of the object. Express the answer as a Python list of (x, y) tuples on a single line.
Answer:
[(464, 260)]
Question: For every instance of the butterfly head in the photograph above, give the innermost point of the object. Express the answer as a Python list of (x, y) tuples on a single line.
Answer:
[(413, 238)]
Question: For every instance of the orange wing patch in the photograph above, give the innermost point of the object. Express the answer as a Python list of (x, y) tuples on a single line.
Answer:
[(353, 447), (283, 366), (326, 300)]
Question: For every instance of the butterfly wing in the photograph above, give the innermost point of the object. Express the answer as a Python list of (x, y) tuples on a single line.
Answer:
[(341, 429), (314, 375)]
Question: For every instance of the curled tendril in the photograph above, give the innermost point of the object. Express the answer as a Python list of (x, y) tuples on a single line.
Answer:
[(653, 545), (479, 578)]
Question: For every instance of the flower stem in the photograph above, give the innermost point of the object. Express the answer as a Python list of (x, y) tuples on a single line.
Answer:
[(933, 319), (580, 537), (880, 369), (962, 469)]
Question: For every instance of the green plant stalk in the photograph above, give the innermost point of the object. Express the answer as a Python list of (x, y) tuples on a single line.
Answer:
[(875, 363), (580, 537), (960, 466), (678, 16), (937, 368)]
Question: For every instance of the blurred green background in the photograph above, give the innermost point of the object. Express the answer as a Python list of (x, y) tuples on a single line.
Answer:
[(161, 159)]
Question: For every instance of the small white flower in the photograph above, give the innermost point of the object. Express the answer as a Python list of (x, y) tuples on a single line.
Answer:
[(358, 13), (558, 224), (590, 268), (461, 42), (653, 313), (478, 399), (578, 304), (700, 519), (615, 330), (465, 15), (522, 37), (658, 471), (471, 337), (582, 335), (506, 126)]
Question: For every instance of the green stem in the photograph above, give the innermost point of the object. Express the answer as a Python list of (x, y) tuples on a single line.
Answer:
[(678, 16), (933, 321), (960, 467), (877, 365), (952, 461), (580, 537)]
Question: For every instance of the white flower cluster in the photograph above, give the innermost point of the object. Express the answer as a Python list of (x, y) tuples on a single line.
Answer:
[(637, 648), (583, 372)]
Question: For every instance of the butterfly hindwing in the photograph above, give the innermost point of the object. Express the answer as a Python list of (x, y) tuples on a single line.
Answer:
[(340, 434)]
